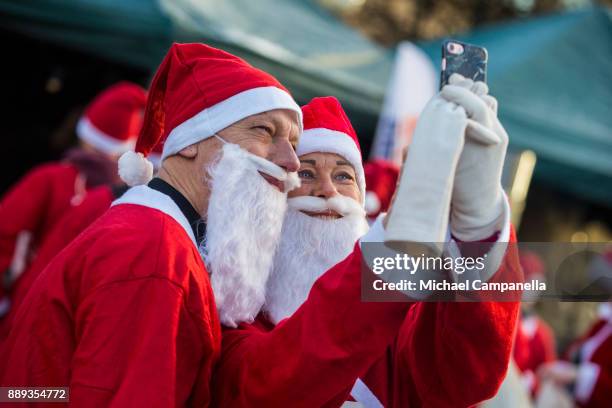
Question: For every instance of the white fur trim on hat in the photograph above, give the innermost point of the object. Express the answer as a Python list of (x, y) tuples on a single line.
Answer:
[(89, 133), (155, 159), (217, 117), (331, 141), (135, 169)]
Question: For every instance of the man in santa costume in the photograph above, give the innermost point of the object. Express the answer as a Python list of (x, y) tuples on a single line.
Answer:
[(125, 315), (31, 208), (316, 343)]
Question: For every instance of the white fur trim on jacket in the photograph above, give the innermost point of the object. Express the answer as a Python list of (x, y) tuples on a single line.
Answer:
[(586, 379), (148, 197)]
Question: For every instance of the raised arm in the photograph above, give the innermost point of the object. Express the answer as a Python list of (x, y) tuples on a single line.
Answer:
[(314, 357)]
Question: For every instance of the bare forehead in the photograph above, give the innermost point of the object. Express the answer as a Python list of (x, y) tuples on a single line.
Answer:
[(280, 117), (324, 160)]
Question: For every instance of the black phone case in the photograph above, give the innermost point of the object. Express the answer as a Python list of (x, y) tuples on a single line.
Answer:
[(472, 63)]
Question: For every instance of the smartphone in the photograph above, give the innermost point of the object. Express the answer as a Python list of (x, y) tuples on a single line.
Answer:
[(468, 60)]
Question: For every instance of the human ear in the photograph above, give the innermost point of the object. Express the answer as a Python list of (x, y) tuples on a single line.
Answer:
[(189, 152)]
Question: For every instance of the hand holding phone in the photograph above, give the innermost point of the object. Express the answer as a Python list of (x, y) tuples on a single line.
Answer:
[(479, 206)]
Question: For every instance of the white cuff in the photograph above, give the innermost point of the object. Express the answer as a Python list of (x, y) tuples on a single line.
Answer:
[(376, 236), (585, 381), (504, 224), (493, 258)]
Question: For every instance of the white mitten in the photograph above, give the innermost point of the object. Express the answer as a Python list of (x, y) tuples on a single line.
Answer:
[(478, 199), (420, 211)]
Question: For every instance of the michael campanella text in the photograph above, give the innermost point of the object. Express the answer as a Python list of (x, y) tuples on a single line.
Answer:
[(435, 285)]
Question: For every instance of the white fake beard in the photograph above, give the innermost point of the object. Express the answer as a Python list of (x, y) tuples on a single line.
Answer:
[(244, 221), (309, 246)]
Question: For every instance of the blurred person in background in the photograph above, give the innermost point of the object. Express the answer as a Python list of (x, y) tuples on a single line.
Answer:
[(315, 342), (68, 227), (535, 341), (381, 178), (586, 372), (125, 314), (33, 206)]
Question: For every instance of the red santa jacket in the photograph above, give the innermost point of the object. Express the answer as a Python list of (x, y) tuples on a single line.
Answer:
[(35, 204), (394, 354), (593, 386), (124, 315), (74, 221), (535, 344)]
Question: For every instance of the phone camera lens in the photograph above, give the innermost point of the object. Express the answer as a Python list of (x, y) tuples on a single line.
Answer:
[(455, 48)]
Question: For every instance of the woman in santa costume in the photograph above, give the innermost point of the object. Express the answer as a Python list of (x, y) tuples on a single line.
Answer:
[(316, 343), (125, 314), (31, 208)]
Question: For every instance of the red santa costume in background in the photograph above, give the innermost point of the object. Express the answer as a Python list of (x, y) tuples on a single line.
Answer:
[(76, 219), (30, 209), (586, 374), (381, 178), (593, 352), (125, 315), (318, 344), (535, 341)]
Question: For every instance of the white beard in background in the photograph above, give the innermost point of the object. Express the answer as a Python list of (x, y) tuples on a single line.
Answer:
[(309, 246), (244, 221)]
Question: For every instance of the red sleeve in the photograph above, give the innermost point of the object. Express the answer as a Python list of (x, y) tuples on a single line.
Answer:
[(313, 358), (71, 224), (445, 348), (547, 342), (22, 209), (68, 227), (600, 396), (136, 345)]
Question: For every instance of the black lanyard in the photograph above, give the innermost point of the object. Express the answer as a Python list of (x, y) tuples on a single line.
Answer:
[(195, 221)]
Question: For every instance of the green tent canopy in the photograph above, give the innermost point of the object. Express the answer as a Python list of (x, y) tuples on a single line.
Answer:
[(300, 43), (550, 74), (553, 79)]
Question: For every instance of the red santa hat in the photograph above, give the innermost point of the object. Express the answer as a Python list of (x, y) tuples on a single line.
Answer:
[(327, 129), (112, 121), (381, 179), (197, 91), (532, 264)]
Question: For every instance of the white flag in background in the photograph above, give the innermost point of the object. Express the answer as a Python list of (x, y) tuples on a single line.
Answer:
[(413, 82)]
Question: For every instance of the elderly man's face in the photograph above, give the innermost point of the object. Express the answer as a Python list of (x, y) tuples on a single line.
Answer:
[(325, 175), (272, 135)]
